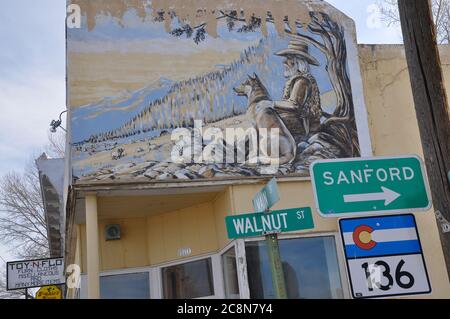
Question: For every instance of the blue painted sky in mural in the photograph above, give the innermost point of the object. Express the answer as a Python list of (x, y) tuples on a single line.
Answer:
[(93, 119)]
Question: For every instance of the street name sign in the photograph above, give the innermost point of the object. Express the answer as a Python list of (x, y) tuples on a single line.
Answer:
[(35, 273), (362, 186), (266, 197), (262, 224), (384, 256)]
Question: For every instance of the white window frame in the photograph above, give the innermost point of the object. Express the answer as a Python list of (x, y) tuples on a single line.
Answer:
[(155, 271), (83, 287), (155, 275), (339, 253), (241, 264), (242, 280), (129, 271), (215, 265)]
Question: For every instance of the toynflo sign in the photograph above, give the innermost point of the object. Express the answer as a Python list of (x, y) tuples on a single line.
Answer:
[(369, 185), (35, 273)]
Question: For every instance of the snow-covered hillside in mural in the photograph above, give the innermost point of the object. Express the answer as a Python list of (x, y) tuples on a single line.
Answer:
[(127, 134)]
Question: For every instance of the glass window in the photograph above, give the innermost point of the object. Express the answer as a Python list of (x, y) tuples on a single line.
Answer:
[(126, 286), (230, 274), (310, 267), (188, 281)]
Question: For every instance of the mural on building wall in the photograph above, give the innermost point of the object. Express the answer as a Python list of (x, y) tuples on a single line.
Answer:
[(159, 95)]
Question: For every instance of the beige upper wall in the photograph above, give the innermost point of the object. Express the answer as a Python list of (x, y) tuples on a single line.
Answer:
[(392, 118)]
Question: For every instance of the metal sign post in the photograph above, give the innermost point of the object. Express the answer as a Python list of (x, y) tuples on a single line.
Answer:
[(262, 202), (276, 266)]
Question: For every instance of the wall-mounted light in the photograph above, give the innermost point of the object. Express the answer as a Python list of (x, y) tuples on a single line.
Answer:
[(55, 124)]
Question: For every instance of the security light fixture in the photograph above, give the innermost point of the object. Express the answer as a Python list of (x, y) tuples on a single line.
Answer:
[(55, 124)]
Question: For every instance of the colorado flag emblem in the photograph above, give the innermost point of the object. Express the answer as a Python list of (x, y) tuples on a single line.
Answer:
[(380, 236)]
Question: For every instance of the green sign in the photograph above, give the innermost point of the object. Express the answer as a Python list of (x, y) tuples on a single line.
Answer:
[(267, 197), (261, 224), (366, 186)]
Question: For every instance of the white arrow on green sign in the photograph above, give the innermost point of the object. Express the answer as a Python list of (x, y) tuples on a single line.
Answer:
[(260, 224), (365, 186)]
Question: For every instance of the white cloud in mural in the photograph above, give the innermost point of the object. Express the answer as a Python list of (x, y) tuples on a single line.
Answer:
[(159, 46)]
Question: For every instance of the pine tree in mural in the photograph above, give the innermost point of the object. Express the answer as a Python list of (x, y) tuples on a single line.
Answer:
[(201, 98)]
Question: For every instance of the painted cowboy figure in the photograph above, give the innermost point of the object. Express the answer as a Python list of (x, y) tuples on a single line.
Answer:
[(300, 108)]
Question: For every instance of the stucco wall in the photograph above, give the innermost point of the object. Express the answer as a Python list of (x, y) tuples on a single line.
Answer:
[(389, 101)]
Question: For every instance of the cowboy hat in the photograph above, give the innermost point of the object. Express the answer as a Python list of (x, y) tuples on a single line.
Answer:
[(298, 49)]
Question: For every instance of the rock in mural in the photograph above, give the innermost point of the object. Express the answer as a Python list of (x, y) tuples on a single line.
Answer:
[(162, 92)]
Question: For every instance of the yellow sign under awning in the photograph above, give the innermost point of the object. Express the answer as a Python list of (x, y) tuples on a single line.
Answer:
[(49, 292)]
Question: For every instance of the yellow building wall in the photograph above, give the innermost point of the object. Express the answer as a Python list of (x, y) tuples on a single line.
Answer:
[(156, 239), (393, 128), (222, 208), (193, 228)]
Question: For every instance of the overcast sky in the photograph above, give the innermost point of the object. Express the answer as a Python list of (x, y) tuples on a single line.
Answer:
[(32, 70)]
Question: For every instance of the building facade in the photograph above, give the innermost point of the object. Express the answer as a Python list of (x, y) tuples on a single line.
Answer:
[(141, 222)]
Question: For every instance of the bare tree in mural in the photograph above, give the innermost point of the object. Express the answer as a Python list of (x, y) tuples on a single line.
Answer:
[(339, 130), (198, 33)]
